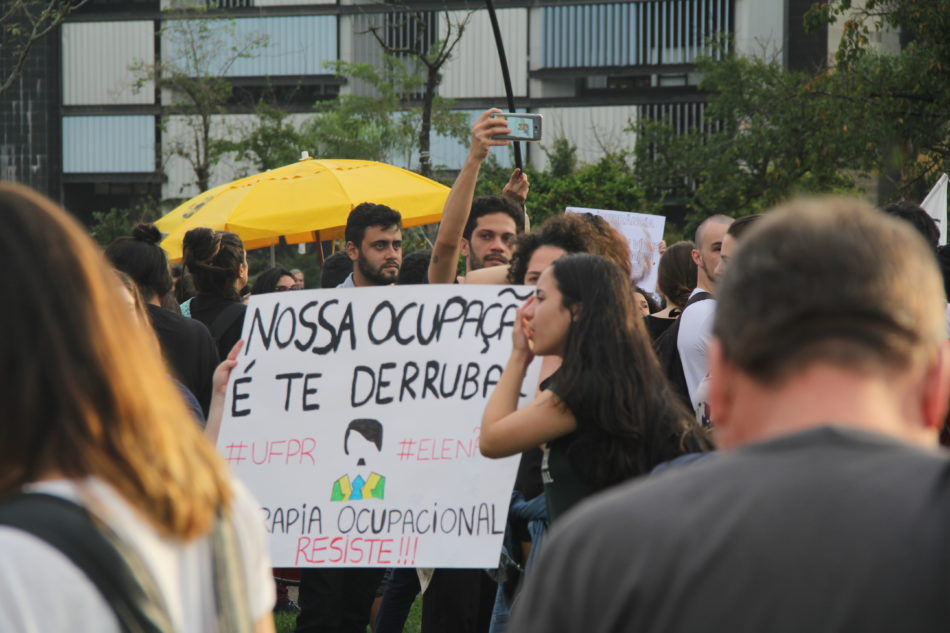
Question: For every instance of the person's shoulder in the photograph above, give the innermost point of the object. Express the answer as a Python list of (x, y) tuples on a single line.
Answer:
[(697, 318), (166, 319), (701, 306), (28, 568), (611, 546), (490, 275), (683, 476), (877, 448), (647, 507)]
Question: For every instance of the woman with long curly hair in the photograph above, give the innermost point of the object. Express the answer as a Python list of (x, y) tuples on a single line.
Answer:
[(608, 414), (91, 417)]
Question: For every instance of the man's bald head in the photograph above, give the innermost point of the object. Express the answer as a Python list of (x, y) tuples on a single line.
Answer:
[(702, 230), (709, 236)]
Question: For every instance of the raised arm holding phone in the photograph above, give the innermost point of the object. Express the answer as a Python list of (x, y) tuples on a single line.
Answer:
[(485, 241)]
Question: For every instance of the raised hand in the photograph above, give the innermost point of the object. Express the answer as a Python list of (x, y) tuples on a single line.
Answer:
[(483, 134)]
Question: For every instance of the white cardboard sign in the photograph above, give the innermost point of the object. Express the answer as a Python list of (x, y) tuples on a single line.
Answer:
[(353, 416), (935, 204), (644, 233)]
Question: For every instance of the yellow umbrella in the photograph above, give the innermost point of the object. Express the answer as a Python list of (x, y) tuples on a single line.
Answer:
[(304, 202)]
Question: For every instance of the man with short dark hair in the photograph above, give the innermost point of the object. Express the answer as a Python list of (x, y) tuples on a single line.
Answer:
[(480, 228), (492, 224), (374, 244), (829, 507), (696, 320)]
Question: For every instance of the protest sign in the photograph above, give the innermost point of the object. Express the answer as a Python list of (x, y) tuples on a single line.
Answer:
[(644, 233), (935, 204), (353, 416)]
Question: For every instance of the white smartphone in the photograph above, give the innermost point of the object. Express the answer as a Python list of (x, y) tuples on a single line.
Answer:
[(524, 127)]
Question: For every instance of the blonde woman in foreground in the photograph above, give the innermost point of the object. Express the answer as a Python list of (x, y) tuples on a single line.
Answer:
[(89, 415)]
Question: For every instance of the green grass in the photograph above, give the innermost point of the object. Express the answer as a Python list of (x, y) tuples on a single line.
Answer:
[(414, 621), (284, 622)]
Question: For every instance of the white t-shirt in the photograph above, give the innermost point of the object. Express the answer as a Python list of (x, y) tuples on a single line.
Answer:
[(41, 591), (695, 329)]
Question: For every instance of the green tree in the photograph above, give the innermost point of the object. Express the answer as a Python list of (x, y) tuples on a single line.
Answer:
[(609, 183), (903, 96), (271, 142), (767, 135), (431, 56), (115, 223), (562, 157), (373, 127), (200, 51)]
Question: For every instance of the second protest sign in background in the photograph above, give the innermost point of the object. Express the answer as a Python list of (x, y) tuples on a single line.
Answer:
[(643, 232), (353, 416)]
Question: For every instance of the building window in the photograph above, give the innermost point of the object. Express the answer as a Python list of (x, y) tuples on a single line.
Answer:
[(649, 33)]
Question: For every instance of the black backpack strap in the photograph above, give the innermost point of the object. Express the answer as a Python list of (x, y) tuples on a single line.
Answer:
[(696, 298), (666, 346), (94, 549), (226, 319)]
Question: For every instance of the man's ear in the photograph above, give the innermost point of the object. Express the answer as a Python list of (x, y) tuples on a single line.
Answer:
[(463, 246), (694, 254), (352, 251), (936, 393), (722, 373)]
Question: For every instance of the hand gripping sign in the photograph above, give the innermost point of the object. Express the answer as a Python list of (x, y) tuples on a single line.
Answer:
[(353, 416)]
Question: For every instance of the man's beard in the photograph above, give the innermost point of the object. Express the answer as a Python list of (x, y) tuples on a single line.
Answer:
[(378, 277), (492, 259)]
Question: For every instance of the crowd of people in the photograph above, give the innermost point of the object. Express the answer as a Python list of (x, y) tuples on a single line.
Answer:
[(752, 447)]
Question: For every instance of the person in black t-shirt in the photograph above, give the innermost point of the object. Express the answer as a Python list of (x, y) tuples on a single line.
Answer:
[(608, 413)]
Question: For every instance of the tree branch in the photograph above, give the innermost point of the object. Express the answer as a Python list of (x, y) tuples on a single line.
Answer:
[(50, 17)]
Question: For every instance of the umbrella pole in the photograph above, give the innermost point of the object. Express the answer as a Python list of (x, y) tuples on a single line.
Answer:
[(273, 257), (316, 238)]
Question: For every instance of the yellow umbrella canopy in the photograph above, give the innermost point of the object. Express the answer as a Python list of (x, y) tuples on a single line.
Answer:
[(307, 201)]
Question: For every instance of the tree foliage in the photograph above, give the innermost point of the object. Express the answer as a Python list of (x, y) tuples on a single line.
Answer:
[(770, 132), (384, 126), (271, 141), (905, 95), (766, 135), (609, 183), (109, 225), (200, 51), (430, 56)]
